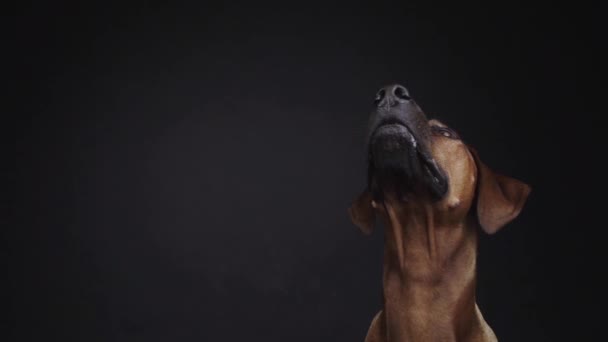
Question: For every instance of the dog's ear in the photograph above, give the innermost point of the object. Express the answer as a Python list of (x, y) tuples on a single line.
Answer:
[(500, 198), (361, 212)]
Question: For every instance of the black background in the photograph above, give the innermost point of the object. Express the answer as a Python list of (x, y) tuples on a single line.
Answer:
[(182, 173)]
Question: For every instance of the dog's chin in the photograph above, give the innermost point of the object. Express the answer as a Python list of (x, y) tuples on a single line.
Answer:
[(397, 165)]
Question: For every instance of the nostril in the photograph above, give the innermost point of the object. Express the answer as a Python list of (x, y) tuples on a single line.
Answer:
[(401, 93), (379, 96)]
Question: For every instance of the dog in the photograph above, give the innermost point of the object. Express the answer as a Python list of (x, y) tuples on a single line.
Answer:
[(432, 193)]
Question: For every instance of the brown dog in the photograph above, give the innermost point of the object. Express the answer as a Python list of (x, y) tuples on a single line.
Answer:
[(432, 192)]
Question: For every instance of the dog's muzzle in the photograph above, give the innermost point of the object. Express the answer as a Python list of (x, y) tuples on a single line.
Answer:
[(399, 148)]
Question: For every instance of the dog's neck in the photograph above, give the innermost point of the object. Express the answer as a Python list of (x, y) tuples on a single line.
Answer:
[(429, 275)]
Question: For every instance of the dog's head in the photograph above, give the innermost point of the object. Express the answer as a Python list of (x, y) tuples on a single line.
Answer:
[(412, 159)]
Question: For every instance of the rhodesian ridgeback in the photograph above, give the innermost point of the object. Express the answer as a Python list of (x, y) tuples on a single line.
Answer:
[(432, 193)]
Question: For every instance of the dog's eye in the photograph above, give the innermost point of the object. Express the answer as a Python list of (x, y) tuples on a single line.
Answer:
[(444, 131)]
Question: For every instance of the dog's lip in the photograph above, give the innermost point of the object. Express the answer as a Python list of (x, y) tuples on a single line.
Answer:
[(391, 122), (434, 173), (397, 126)]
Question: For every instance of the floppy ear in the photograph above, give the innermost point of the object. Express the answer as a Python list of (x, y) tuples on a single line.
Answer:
[(362, 213), (500, 198)]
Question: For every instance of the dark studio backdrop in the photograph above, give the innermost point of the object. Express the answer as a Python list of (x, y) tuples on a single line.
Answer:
[(183, 173)]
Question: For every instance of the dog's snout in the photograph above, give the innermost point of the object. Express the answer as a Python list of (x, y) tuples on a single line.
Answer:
[(391, 95), (380, 95), (401, 93)]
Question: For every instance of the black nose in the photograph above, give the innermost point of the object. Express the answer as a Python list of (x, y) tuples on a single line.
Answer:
[(391, 95)]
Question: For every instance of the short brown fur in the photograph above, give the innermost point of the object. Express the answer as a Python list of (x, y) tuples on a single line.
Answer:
[(431, 248)]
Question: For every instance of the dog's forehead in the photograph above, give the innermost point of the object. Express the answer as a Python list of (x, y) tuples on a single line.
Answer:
[(435, 122)]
